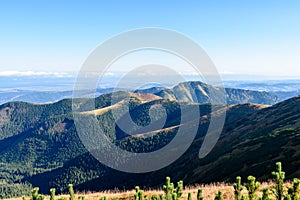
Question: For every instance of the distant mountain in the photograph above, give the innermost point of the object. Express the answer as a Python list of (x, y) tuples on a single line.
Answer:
[(188, 91), (39, 144), (199, 92), (40, 97), (33, 96), (50, 90), (287, 85), (284, 95), (284, 89)]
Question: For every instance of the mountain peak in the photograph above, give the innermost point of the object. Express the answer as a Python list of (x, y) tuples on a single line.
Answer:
[(199, 92)]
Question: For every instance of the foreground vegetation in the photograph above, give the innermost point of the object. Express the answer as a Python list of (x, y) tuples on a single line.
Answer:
[(250, 190)]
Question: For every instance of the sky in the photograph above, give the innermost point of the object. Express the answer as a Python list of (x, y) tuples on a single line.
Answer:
[(241, 37)]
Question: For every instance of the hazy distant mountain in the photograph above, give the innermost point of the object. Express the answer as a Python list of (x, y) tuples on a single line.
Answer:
[(39, 144), (288, 94), (188, 91), (284, 89), (47, 89), (33, 96), (39, 97), (199, 92)]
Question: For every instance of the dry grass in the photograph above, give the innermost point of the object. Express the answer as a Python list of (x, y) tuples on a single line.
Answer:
[(209, 192)]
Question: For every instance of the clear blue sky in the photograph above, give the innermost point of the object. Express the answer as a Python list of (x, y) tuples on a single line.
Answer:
[(242, 37)]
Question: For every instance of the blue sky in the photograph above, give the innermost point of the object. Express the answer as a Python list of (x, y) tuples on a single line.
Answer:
[(241, 37)]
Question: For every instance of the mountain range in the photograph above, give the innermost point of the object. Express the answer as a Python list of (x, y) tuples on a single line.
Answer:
[(198, 92), (39, 145), (270, 92)]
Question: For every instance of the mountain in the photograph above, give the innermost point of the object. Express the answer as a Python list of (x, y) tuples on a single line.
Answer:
[(284, 95), (284, 89), (253, 144), (39, 145), (196, 91), (42, 97)]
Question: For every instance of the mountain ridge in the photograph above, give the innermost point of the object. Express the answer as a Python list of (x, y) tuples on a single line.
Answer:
[(199, 92), (194, 91), (39, 142)]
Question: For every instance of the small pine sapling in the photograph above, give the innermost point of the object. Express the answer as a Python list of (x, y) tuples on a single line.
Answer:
[(219, 196), (238, 188), (168, 188), (71, 191), (179, 190), (293, 192), (161, 197), (35, 193), (136, 194), (189, 196), (279, 177), (41, 197), (52, 194), (199, 194), (265, 195), (140, 195), (81, 198), (287, 196), (174, 196), (296, 189), (252, 186)]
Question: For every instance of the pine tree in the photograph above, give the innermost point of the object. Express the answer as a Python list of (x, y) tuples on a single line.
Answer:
[(52, 194), (136, 194), (81, 198), (293, 192), (161, 197), (41, 197), (219, 196), (179, 190), (238, 188), (189, 196), (199, 194), (279, 177), (71, 191), (174, 196), (139, 194), (265, 195), (252, 186), (35, 193), (168, 188)]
